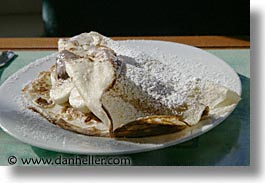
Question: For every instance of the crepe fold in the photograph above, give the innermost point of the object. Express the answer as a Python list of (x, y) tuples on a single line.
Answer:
[(115, 95)]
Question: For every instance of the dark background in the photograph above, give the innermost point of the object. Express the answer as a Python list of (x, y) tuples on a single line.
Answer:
[(141, 17)]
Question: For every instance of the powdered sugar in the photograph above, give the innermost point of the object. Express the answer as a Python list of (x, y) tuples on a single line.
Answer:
[(165, 77)]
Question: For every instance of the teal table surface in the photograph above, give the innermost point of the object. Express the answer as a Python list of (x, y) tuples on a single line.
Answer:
[(228, 144)]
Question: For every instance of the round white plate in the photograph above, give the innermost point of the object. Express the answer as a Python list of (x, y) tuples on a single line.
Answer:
[(35, 130)]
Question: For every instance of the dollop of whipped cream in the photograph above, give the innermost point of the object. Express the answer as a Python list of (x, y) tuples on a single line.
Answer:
[(85, 69)]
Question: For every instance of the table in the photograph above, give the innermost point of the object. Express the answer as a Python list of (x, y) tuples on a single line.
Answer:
[(198, 41), (227, 144)]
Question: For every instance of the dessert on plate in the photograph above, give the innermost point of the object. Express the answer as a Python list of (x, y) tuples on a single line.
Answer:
[(96, 89)]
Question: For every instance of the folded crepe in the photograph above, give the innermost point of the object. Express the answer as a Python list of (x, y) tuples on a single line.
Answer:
[(94, 91)]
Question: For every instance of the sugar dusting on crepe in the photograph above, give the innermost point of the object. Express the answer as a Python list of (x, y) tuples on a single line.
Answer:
[(161, 88), (174, 81)]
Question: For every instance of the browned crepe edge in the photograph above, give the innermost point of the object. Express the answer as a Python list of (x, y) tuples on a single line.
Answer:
[(148, 126)]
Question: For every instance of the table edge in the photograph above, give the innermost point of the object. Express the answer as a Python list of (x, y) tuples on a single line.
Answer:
[(211, 42)]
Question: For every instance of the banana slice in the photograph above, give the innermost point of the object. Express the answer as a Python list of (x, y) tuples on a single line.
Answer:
[(61, 89), (77, 102)]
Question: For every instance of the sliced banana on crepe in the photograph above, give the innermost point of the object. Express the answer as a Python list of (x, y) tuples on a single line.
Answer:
[(94, 91), (61, 89), (77, 102)]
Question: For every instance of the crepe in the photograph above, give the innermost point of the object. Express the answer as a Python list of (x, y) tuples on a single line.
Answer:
[(93, 91), (37, 98)]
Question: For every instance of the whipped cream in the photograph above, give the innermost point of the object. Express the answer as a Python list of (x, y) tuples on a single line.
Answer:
[(84, 71)]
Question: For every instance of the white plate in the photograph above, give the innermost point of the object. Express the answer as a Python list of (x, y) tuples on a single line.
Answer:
[(36, 131)]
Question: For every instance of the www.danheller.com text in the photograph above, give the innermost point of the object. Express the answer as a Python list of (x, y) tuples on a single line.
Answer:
[(74, 160)]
